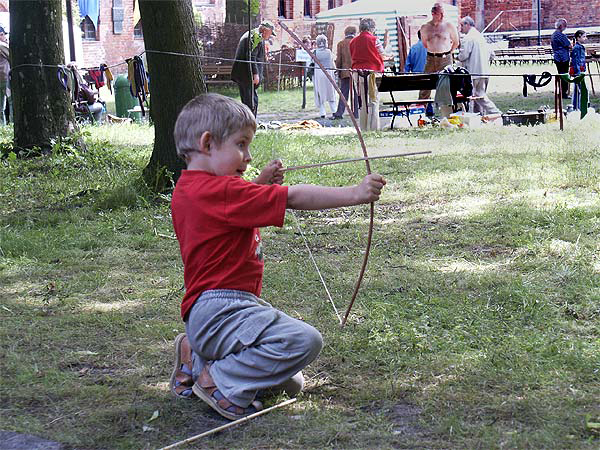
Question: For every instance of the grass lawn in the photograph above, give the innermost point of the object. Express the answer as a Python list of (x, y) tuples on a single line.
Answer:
[(477, 325)]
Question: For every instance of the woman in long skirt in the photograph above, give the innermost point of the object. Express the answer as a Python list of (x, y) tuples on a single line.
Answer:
[(324, 90)]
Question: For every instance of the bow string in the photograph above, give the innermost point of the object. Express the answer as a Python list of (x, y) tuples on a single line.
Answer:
[(367, 164)]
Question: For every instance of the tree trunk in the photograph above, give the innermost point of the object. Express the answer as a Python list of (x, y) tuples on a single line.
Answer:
[(174, 80), (42, 107)]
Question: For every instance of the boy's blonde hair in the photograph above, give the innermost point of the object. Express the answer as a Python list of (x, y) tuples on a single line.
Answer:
[(219, 115)]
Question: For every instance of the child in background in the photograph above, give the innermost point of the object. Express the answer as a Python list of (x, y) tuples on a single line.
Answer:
[(578, 64), (237, 345)]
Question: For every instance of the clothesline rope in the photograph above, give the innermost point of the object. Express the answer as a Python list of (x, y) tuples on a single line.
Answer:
[(60, 66), (219, 58), (296, 66)]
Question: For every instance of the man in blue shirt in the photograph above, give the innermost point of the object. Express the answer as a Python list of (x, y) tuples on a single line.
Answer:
[(417, 56), (561, 46), (415, 62)]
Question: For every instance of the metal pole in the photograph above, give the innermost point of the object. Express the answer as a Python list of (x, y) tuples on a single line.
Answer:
[(539, 21), (251, 87), (69, 12), (304, 85)]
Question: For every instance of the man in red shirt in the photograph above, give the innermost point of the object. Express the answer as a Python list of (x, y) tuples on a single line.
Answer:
[(367, 53), (236, 344)]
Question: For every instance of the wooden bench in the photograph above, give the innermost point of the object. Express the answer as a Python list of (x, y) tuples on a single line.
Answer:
[(414, 82), (217, 73), (408, 82), (521, 55)]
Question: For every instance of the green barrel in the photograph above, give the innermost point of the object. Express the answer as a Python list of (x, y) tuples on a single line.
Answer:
[(123, 98)]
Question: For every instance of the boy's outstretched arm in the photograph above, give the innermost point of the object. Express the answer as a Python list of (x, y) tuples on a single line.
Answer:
[(308, 196), (271, 174)]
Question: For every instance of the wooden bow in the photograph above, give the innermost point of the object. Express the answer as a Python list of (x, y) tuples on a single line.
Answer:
[(367, 164)]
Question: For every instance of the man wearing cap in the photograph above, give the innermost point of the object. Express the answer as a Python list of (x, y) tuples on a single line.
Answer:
[(440, 38), (247, 73), (4, 71)]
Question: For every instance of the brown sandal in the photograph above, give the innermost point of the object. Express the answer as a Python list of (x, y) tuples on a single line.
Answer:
[(181, 379), (205, 388)]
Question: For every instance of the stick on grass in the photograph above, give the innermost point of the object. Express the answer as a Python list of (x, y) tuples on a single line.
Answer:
[(229, 425)]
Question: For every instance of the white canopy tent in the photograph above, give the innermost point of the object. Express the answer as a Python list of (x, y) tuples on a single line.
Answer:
[(385, 14), (398, 8)]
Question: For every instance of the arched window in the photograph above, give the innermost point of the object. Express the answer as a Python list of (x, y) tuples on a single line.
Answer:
[(281, 12), (137, 31), (307, 8), (88, 29)]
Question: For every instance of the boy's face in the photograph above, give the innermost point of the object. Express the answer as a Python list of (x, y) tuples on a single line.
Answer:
[(232, 156)]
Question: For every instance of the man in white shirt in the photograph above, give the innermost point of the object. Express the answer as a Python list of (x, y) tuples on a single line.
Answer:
[(474, 56)]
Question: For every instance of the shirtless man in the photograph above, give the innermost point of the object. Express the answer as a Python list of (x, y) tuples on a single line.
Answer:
[(440, 38)]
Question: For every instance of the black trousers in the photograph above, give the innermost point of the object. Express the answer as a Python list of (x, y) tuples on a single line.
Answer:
[(563, 67), (249, 96)]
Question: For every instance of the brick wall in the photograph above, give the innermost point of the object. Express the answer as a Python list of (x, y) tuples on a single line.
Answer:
[(579, 13), (294, 11), (112, 48), (295, 19)]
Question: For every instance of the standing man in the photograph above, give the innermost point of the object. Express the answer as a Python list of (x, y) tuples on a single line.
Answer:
[(561, 46), (343, 61), (440, 38), (4, 72), (242, 68), (475, 57), (417, 56)]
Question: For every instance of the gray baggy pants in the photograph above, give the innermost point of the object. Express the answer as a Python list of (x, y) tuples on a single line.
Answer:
[(252, 345)]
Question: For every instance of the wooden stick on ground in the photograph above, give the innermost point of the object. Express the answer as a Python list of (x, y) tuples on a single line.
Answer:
[(229, 425), (342, 161)]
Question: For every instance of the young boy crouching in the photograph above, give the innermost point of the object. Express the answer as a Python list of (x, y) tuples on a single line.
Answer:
[(235, 343)]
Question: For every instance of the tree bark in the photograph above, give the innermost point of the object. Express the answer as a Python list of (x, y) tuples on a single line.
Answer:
[(42, 107), (174, 80)]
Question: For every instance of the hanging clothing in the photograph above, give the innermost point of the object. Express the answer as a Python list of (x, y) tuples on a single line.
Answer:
[(581, 94), (90, 8), (138, 80), (368, 95), (460, 81), (97, 77), (443, 95), (109, 76), (530, 80)]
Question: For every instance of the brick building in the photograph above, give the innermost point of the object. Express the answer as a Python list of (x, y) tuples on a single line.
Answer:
[(117, 35), (506, 15)]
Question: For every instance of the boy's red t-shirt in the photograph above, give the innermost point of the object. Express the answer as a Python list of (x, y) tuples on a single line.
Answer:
[(216, 220)]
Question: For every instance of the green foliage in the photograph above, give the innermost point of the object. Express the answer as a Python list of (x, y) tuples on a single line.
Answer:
[(476, 325), (237, 10)]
